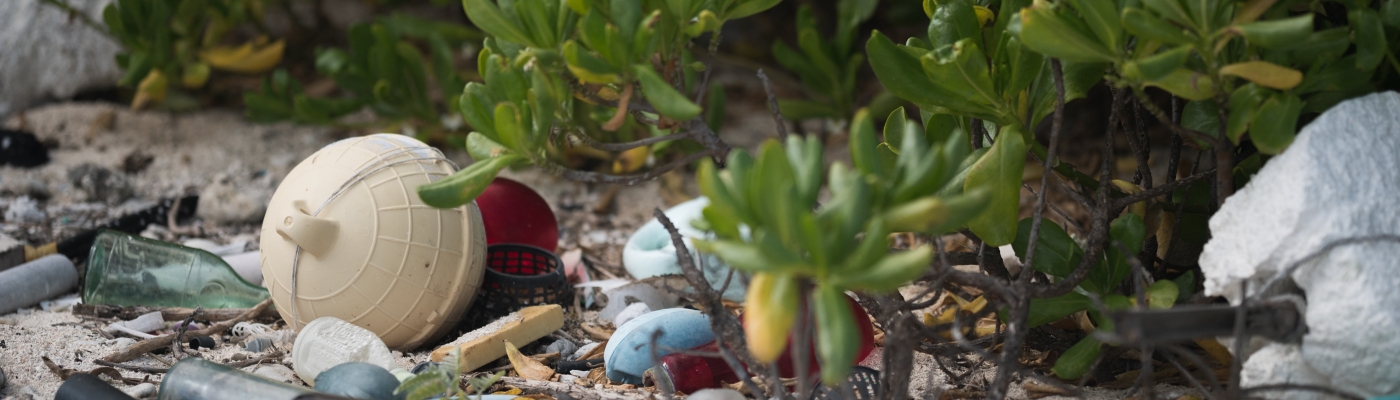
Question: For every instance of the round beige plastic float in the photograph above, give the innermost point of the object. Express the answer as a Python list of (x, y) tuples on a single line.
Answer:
[(364, 248)]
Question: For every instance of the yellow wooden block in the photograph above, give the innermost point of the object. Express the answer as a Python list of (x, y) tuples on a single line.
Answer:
[(487, 343)]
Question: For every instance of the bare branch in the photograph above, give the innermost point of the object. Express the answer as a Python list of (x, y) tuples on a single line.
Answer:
[(773, 104)]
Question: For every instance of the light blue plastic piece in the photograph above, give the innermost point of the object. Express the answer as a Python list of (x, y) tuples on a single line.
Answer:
[(650, 252), (628, 353)]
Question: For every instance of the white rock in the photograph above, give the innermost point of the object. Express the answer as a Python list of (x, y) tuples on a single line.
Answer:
[(24, 209), (49, 54), (715, 394), (1338, 181), (141, 391)]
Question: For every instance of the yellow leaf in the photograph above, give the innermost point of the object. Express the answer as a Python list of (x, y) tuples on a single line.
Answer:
[(1265, 74), (631, 160), (245, 58), (151, 91), (195, 75), (984, 15), (527, 367), (770, 308)]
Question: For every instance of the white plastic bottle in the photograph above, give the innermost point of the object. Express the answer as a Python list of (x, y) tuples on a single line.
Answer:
[(329, 341)]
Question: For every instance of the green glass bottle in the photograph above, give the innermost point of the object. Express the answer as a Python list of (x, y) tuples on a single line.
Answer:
[(127, 270)]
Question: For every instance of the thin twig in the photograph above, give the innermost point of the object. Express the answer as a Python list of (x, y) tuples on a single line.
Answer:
[(633, 179), (1160, 190), (148, 345), (581, 138), (773, 104), (1167, 120)]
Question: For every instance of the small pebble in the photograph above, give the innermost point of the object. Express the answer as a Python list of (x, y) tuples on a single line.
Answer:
[(564, 347), (567, 378), (359, 381), (715, 394)]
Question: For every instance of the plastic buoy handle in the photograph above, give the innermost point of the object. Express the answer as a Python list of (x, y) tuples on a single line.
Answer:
[(313, 234)]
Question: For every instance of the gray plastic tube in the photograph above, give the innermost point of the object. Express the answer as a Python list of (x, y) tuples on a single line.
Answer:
[(36, 281)]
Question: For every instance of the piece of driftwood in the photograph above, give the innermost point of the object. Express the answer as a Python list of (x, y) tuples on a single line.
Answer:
[(166, 313), (578, 392), (148, 345)]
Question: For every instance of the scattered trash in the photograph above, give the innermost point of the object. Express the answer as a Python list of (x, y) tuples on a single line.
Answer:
[(585, 350), (359, 381), (514, 213), (36, 281), (141, 391), (628, 354), (61, 304), (633, 311), (79, 246), (260, 331), (140, 327), (486, 344), (21, 149), (129, 270), (650, 252), (248, 266), (24, 209), (88, 387), (1318, 222), (519, 276), (202, 342), (422, 366), (622, 297), (257, 345), (564, 347), (330, 341), (573, 266), (194, 378), (376, 254)]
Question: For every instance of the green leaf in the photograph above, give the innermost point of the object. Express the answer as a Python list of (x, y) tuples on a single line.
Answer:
[(714, 109), (962, 69), (1276, 124), (1000, 169), (538, 18), (1058, 33), (1370, 38), (1147, 26), (1201, 116), (1128, 230), (805, 154), (806, 109), (1187, 84), (1186, 284), (1056, 254), (1158, 65), (746, 8), (1044, 311), (1078, 359), (894, 128), (489, 18), (837, 335), (952, 22), (510, 127), (1390, 13), (900, 72), (481, 147), (587, 67), (871, 249), (428, 384), (463, 187), (1244, 107), (1162, 294), (1102, 18), (891, 272), (1278, 34), (863, 146), (663, 97)]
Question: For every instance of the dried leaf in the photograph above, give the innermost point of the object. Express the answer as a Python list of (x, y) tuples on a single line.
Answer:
[(527, 367)]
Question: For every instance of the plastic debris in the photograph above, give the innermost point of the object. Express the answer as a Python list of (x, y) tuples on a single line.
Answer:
[(359, 381), (329, 341), (61, 304), (194, 378), (88, 387), (633, 311), (486, 344), (716, 394), (650, 251), (35, 281), (141, 391), (345, 233), (514, 213), (564, 347), (141, 326), (628, 354), (624, 296), (201, 342), (257, 345), (127, 270), (519, 276)]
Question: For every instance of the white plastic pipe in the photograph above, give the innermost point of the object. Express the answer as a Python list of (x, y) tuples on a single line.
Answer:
[(36, 281)]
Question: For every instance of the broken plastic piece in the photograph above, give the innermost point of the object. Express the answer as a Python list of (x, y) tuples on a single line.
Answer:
[(201, 342), (88, 387), (518, 276), (194, 378), (514, 213), (650, 251), (629, 354), (35, 281), (128, 270), (329, 341), (141, 326), (487, 343), (257, 345), (346, 236)]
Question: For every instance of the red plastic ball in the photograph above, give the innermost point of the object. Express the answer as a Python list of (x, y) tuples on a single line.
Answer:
[(514, 213)]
